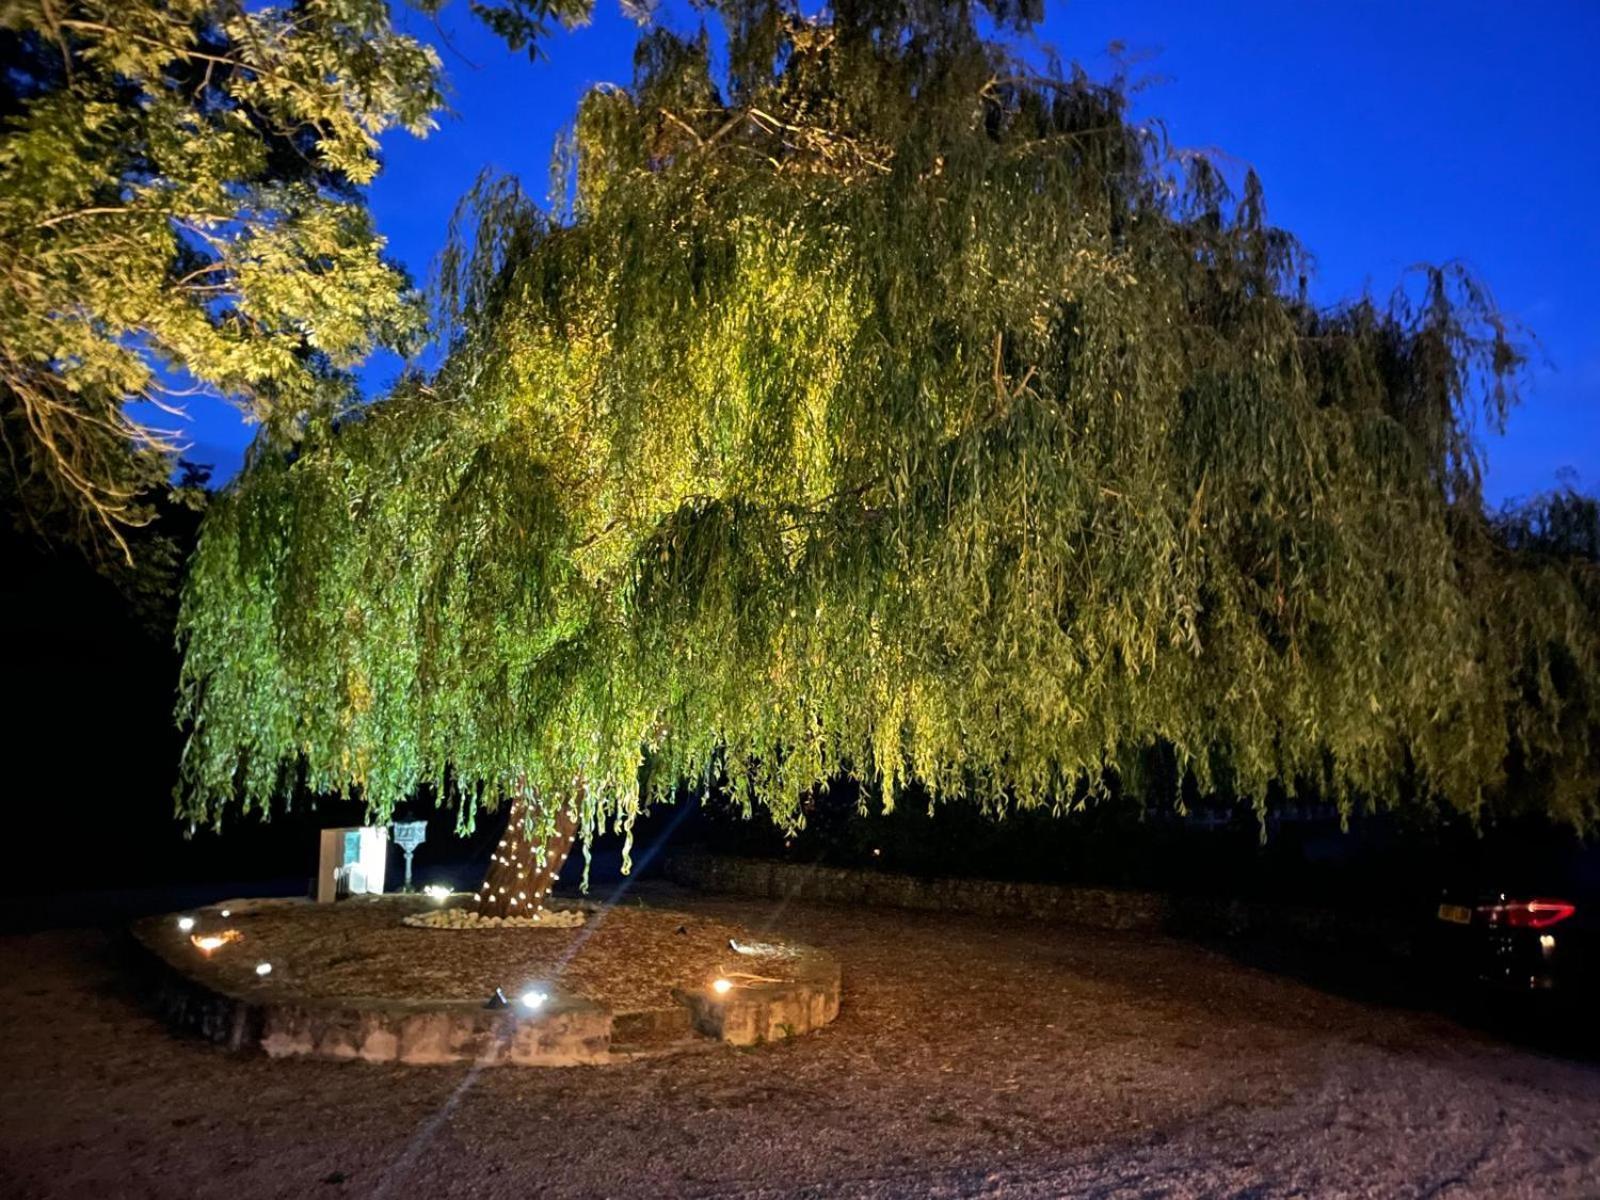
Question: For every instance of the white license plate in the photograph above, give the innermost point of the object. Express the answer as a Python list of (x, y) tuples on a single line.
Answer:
[(1457, 914)]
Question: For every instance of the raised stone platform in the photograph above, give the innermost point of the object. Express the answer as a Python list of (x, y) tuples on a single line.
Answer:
[(563, 1030), (768, 1011)]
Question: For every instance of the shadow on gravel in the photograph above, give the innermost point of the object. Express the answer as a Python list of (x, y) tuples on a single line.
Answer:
[(1563, 1026)]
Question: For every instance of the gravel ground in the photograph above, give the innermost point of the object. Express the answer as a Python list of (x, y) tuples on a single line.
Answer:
[(972, 1058)]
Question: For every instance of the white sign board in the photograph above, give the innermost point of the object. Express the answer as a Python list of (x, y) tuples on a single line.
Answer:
[(352, 862)]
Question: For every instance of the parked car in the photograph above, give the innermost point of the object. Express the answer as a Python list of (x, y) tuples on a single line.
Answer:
[(1526, 919)]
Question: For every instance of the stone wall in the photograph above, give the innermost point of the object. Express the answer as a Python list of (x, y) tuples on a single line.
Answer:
[(1124, 910)]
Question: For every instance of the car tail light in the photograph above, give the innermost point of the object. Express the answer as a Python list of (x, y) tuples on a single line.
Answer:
[(1527, 914)]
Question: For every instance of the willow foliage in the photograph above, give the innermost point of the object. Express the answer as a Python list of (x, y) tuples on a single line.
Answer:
[(880, 406)]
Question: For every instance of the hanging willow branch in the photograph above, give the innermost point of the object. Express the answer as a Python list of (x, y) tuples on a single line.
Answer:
[(989, 466)]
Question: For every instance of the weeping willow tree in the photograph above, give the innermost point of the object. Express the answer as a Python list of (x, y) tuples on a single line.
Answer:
[(880, 406)]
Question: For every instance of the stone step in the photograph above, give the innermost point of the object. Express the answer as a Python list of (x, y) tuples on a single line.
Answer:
[(650, 1029)]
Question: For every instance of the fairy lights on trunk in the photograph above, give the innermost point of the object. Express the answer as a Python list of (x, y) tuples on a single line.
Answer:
[(525, 865)]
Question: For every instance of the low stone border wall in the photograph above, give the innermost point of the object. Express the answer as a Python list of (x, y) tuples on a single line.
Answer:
[(563, 1034), (1101, 908), (1123, 910), (566, 1031)]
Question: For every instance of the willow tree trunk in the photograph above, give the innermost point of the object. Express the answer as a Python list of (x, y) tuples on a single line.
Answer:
[(523, 869)]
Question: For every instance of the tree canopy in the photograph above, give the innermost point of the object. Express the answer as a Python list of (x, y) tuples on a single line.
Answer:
[(181, 216), (881, 405)]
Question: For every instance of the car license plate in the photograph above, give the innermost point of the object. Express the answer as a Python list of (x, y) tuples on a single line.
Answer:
[(1458, 914)]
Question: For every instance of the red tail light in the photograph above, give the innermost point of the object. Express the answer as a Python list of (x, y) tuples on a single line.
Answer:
[(1527, 914)]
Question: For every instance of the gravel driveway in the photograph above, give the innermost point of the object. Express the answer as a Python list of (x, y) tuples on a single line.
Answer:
[(973, 1057)]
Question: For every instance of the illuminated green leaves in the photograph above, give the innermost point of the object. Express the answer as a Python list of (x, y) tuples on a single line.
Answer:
[(882, 408)]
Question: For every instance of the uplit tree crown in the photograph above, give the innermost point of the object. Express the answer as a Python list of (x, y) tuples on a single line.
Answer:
[(885, 407)]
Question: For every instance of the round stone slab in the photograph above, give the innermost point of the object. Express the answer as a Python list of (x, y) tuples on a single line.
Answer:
[(461, 919)]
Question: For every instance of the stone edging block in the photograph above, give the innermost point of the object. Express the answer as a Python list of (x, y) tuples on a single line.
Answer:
[(765, 1011)]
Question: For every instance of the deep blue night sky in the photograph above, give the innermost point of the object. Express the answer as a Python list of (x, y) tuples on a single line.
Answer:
[(1386, 134)]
